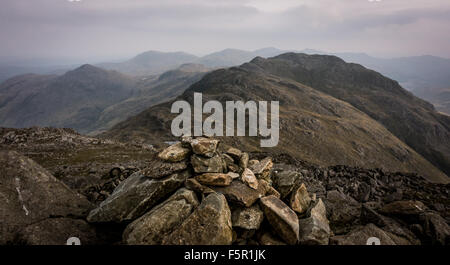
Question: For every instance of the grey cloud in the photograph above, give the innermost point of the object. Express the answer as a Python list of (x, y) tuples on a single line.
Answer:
[(93, 28)]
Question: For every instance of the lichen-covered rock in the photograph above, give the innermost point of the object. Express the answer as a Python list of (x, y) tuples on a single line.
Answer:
[(174, 153), (300, 199), (202, 164), (159, 168), (249, 178), (194, 185), (247, 218), (209, 224), (263, 169), (285, 181), (243, 160), (134, 196), (152, 227), (269, 190), (31, 195), (282, 219), (239, 193), (204, 146), (234, 153), (214, 179), (315, 230)]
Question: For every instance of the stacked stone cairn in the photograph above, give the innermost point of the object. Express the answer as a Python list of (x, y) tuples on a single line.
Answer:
[(193, 194)]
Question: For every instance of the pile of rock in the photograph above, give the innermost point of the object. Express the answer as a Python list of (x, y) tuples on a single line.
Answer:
[(195, 194)]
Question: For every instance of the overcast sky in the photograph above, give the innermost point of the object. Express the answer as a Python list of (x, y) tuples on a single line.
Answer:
[(97, 29)]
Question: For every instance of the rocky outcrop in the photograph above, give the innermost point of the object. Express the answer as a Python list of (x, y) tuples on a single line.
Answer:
[(134, 196), (33, 201), (168, 202)]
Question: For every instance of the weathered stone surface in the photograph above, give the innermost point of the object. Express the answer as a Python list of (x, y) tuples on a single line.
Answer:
[(400, 235), (234, 153), (249, 178), (204, 146), (209, 224), (408, 211), (436, 231), (361, 234), (134, 196), (300, 200), (315, 230), (267, 239), (403, 208), (252, 162), (228, 159), (30, 194), (233, 168), (159, 168), (194, 185), (263, 169), (247, 218), (151, 228), (239, 193), (243, 161), (174, 153), (233, 175), (214, 179), (269, 190), (201, 164), (285, 181), (56, 231), (343, 211), (282, 219)]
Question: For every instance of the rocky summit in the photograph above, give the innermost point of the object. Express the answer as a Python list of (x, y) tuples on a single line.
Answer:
[(200, 191)]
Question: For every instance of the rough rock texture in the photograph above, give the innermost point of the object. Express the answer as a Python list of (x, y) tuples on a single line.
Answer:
[(214, 179), (30, 194), (201, 164), (174, 153), (134, 196), (343, 211), (263, 169), (209, 224), (249, 178), (315, 229), (360, 235), (204, 146), (159, 168), (285, 181), (300, 199), (194, 185), (239, 193), (146, 202), (283, 220), (247, 218), (152, 227)]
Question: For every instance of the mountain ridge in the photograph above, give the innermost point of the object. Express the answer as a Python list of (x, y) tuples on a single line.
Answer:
[(314, 126)]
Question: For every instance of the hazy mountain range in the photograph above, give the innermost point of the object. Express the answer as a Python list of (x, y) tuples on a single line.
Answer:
[(426, 76), (332, 112), (88, 99)]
